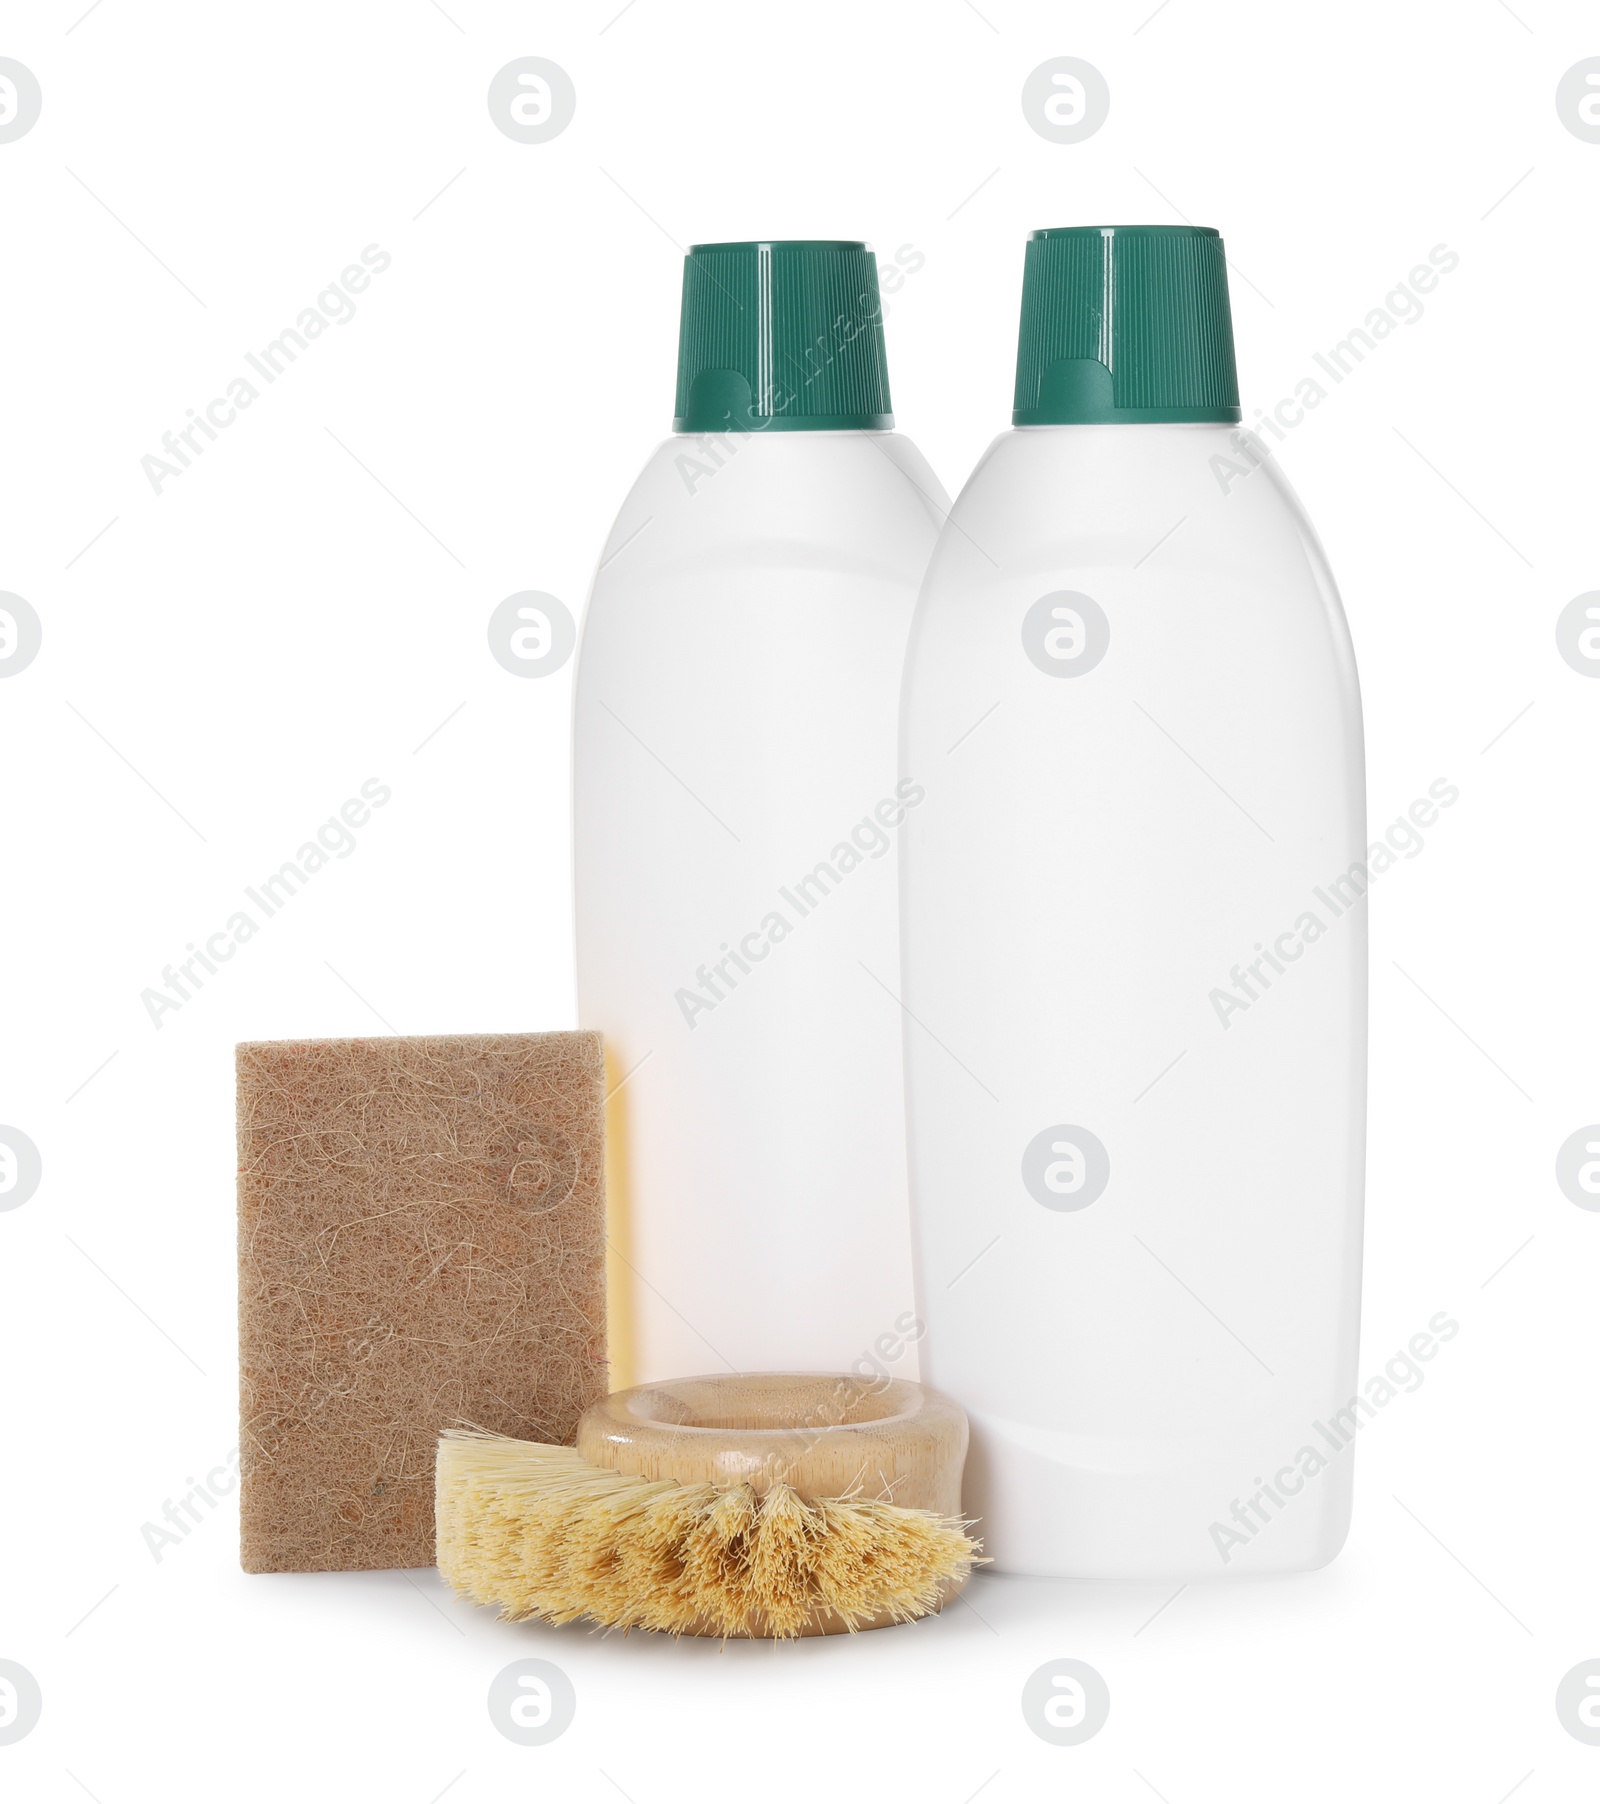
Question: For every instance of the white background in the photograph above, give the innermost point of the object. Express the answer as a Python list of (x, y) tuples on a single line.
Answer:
[(229, 660)]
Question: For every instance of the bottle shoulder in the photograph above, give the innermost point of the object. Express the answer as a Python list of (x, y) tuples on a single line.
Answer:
[(1203, 496), (1186, 524), (866, 499)]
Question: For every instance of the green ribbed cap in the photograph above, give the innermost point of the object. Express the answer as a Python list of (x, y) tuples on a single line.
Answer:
[(1125, 323), (784, 336)]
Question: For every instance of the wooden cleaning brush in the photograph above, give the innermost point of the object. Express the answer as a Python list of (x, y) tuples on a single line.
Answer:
[(768, 1505)]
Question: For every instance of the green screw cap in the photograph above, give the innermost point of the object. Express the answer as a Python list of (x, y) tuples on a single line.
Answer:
[(782, 336), (1125, 323)]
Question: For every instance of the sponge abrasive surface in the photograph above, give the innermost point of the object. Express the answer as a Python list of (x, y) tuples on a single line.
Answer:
[(421, 1244)]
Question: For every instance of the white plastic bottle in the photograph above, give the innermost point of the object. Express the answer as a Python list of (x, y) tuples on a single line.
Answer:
[(1135, 952), (737, 805)]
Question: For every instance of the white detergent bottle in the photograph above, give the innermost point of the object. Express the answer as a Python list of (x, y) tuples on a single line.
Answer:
[(1134, 949), (737, 804)]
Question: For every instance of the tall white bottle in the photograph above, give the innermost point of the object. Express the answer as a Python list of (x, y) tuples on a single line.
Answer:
[(1135, 951), (737, 805)]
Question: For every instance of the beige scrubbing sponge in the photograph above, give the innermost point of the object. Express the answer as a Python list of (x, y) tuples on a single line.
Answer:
[(421, 1241), (545, 1532)]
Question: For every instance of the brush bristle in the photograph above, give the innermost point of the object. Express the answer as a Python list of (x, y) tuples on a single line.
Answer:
[(542, 1533)]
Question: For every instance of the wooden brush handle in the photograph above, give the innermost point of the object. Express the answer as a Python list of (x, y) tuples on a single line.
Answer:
[(823, 1435)]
